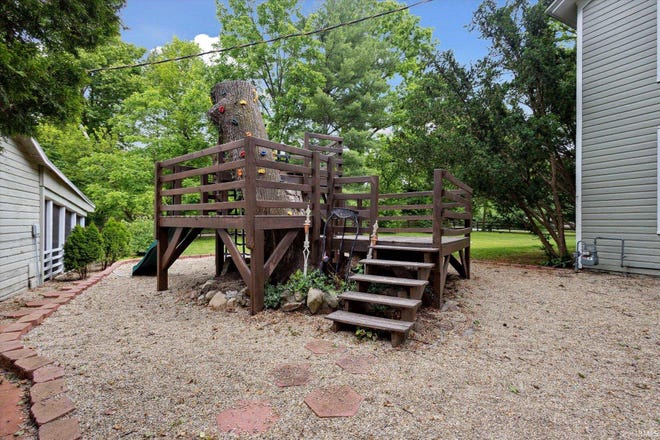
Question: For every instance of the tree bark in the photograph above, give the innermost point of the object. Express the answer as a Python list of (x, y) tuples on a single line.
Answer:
[(236, 114)]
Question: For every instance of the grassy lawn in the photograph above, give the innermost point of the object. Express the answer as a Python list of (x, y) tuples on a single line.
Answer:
[(512, 247)]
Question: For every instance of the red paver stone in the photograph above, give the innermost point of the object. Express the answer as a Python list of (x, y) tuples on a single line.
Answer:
[(50, 294), (250, 417), (15, 355), (67, 295), (288, 375), (338, 401), (46, 390), (10, 345), (21, 327), (319, 346), (18, 313), (47, 373), (27, 366), (62, 300), (62, 429), (11, 415), (35, 318), (52, 306), (357, 363), (40, 302), (44, 412), (13, 336)]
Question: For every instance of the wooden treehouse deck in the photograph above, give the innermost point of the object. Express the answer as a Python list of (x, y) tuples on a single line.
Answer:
[(238, 187)]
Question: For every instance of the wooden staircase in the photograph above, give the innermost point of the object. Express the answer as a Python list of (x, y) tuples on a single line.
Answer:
[(408, 278)]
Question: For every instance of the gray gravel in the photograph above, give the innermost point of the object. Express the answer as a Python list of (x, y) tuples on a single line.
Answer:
[(527, 354)]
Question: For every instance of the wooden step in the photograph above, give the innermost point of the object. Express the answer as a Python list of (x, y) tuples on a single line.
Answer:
[(406, 282), (392, 301), (389, 247), (398, 329), (394, 263)]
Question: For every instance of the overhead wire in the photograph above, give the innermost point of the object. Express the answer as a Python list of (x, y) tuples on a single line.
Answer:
[(260, 42)]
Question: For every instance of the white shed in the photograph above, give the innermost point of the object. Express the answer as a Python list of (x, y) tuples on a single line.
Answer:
[(38, 208)]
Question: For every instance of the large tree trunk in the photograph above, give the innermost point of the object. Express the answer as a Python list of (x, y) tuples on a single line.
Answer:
[(236, 113)]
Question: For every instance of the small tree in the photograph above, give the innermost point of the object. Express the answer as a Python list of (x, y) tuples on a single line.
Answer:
[(84, 246), (116, 239)]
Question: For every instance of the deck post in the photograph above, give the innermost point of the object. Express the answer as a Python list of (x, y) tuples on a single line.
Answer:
[(160, 233), (316, 205), (438, 273), (257, 275), (250, 193)]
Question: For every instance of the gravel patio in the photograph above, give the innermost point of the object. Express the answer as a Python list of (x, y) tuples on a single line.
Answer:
[(522, 353)]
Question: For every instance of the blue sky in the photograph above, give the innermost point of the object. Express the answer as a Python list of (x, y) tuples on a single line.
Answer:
[(153, 23)]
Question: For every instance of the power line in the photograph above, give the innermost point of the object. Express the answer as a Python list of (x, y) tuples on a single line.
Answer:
[(257, 43)]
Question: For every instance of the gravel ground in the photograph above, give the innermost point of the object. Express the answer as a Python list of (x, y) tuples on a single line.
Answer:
[(528, 353)]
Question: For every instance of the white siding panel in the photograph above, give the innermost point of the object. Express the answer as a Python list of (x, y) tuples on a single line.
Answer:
[(620, 115), (19, 209)]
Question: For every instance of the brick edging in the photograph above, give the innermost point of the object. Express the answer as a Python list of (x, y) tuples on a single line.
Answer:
[(50, 405)]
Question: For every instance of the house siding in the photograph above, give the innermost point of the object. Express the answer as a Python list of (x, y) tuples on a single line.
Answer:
[(20, 203), (620, 120)]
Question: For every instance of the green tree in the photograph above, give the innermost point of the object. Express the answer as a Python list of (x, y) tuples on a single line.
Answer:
[(40, 72), (168, 116), (116, 240), (505, 125), (337, 82), (106, 90)]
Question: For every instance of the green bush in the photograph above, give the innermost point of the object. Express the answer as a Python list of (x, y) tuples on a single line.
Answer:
[(83, 247), (300, 283), (116, 240), (142, 235)]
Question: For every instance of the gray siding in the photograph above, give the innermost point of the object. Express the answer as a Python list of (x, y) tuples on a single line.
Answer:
[(19, 210), (621, 115)]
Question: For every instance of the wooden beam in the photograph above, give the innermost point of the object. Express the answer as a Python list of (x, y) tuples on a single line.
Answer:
[(279, 252), (171, 247), (236, 256)]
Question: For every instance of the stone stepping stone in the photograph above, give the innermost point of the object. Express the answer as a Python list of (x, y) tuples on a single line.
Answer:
[(288, 375), (247, 417), (320, 346), (357, 363), (336, 401)]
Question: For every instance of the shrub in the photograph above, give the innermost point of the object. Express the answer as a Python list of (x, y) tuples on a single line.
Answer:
[(142, 234), (300, 283), (116, 240), (83, 247)]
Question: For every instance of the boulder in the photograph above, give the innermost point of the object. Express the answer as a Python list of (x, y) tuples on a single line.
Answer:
[(291, 306), (219, 302), (330, 299), (208, 286), (314, 299)]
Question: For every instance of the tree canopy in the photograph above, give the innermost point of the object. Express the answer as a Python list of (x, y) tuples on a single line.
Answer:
[(40, 71)]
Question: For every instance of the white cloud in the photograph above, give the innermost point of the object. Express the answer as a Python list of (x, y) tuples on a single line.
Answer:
[(206, 43)]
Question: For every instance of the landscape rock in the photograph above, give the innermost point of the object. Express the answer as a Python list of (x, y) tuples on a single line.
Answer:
[(331, 300), (291, 306), (208, 286), (314, 299), (219, 302), (210, 294), (299, 296), (231, 304), (449, 306), (231, 294)]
